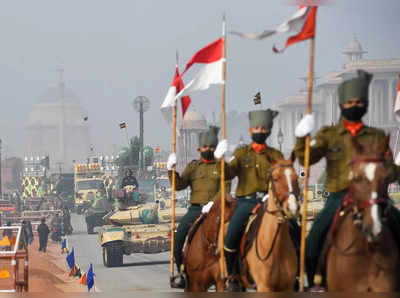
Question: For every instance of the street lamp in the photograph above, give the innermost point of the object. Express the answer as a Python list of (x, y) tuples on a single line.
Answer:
[(280, 139)]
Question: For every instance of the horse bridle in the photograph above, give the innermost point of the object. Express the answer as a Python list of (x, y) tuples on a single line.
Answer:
[(359, 206), (282, 217), (356, 213)]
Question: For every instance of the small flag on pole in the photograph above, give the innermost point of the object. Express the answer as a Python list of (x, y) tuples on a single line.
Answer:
[(83, 280), (90, 277), (71, 259), (397, 102), (122, 125)]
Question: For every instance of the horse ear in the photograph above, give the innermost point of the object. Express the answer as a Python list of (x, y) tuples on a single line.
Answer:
[(385, 144), (357, 146), (292, 157)]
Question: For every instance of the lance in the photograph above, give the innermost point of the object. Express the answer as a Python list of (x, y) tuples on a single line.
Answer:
[(173, 186), (306, 169), (223, 190)]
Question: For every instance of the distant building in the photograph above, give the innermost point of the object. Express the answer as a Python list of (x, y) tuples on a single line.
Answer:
[(11, 171), (57, 127)]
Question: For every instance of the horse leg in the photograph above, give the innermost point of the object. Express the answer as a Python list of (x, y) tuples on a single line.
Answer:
[(220, 285)]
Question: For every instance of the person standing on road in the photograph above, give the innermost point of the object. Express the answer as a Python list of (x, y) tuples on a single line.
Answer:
[(43, 231)]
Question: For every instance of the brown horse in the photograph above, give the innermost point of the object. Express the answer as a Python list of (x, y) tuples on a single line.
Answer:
[(202, 261), (271, 260), (362, 254)]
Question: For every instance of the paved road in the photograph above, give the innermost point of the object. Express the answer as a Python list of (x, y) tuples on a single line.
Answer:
[(135, 275)]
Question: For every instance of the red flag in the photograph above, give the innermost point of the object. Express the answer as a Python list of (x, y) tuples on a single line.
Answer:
[(307, 31), (178, 83), (212, 56)]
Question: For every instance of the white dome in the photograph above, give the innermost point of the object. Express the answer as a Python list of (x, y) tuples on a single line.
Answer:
[(194, 120), (355, 47), (55, 93)]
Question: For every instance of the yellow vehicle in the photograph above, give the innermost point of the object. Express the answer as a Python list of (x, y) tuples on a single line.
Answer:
[(87, 179)]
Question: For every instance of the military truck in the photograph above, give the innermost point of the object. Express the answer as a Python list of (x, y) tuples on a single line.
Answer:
[(87, 180), (134, 228)]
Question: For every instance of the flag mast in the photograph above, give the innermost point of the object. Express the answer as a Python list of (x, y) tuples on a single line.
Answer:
[(306, 168), (173, 186), (223, 190)]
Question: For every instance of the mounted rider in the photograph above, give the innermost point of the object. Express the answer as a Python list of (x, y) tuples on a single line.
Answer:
[(203, 177), (251, 166), (335, 144)]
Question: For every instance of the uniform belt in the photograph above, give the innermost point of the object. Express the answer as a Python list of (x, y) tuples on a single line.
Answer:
[(196, 205), (255, 196)]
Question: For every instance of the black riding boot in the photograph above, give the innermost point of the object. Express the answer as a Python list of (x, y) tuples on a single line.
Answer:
[(231, 266), (179, 280)]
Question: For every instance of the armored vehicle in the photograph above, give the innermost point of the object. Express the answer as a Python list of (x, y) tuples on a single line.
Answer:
[(135, 227)]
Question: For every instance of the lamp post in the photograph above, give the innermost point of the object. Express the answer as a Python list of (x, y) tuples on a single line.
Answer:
[(280, 139)]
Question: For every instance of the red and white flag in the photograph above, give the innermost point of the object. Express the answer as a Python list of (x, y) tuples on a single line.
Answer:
[(397, 102), (212, 56), (302, 23), (169, 101)]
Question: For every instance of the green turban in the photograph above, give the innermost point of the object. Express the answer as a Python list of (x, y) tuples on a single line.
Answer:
[(355, 88), (209, 137), (263, 118)]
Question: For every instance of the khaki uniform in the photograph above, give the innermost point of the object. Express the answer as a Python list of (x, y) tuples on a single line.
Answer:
[(204, 180), (251, 168), (334, 143)]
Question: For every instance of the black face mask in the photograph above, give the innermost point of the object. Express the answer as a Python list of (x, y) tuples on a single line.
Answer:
[(207, 155), (259, 137), (354, 113)]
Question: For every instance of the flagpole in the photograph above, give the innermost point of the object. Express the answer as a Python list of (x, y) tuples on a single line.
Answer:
[(173, 186), (306, 169), (223, 190)]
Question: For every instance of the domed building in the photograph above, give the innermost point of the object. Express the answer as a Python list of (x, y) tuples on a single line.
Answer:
[(56, 127), (193, 123)]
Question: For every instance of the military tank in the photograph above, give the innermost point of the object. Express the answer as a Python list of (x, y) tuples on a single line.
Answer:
[(135, 227)]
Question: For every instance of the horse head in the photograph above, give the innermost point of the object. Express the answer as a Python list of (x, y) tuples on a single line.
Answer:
[(284, 185), (368, 190)]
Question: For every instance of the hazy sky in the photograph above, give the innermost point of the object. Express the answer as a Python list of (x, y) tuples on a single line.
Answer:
[(113, 51)]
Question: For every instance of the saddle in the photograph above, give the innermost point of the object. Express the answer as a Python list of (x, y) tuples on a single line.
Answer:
[(250, 232)]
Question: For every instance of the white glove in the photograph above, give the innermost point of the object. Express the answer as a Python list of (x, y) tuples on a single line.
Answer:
[(265, 198), (397, 161), (305, 126), (221, 149), (171, 161), (206, 208)]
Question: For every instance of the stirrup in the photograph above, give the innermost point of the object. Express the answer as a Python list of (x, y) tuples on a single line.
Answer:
[(177, 285)]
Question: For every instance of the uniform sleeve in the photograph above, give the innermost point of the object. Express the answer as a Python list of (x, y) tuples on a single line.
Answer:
[(318, 147), (181, 181), (232, 168)]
